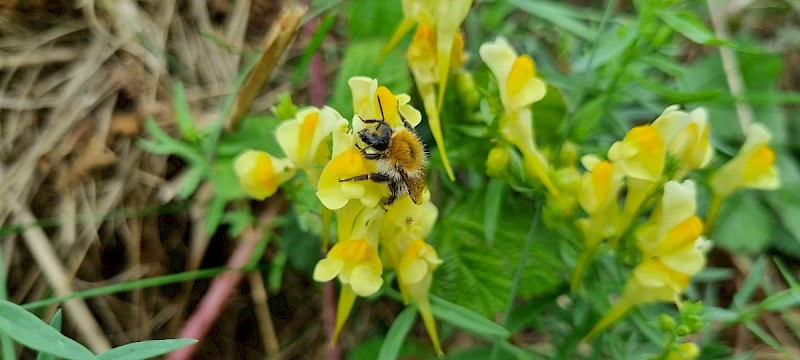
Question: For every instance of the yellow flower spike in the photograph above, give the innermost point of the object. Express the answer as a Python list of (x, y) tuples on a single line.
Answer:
[(260, 174), (641, 153), (414, 275), (519, 88), (752, 168), (671, 245), (334, 194), (423, 66), (357, 265)]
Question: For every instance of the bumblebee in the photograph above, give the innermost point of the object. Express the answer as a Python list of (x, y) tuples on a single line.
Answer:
[(400, 158)]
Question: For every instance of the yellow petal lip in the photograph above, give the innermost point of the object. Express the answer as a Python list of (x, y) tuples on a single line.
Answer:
[(640, 154), (334, 193), (365, 280), (327, 269), (753, 167), (260, 174), (356, 263), (523, 87)]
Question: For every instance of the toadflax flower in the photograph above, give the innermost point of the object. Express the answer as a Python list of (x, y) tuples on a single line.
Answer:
[(365, 103), (752, 168), (690, 143), (423, 62), (445, 16), (519, 87), (357, 265), (414, 275), (671, 245), (260, 173), (303, 138)]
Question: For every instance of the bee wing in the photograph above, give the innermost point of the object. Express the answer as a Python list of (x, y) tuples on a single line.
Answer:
[(415, 186)]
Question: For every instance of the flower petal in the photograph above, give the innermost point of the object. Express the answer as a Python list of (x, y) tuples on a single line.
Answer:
[(365, 281), (327, 269)]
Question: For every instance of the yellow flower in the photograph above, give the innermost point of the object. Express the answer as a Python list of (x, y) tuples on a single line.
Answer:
[(691, 145), (359, 269), (414, 275), (365, 103), (601, 185), (519, 88), (641, 153), (752, 168), (260, 174), (671, 246), (301, 137), (356, 263), (424, 66), (446, 17), (516, 75), (403, 222), (334, 194)]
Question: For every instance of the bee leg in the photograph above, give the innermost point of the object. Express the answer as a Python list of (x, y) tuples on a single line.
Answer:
[(405, 121), (376, 177), (394, 189)]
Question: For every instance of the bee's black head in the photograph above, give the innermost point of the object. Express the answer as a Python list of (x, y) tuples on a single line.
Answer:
[(377, 137)]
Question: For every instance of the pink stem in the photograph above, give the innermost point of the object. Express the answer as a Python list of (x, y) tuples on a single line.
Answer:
[(218, 295), (317, 92)]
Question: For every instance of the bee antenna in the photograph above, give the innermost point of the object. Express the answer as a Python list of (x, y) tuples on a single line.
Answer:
[(380, 106)]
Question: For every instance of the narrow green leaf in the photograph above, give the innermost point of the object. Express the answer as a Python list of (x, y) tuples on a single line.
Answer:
[(183, 116), (130, 285), (767, 338), (29, 330), (397, 334), (491, 210), (561, 16), (714, 313), (689, 26), (55, 323), (751, 283), (144, 349), (781, 301), (467, 319)]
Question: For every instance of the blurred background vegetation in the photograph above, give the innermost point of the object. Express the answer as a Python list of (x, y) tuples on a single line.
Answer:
[(85, 203)]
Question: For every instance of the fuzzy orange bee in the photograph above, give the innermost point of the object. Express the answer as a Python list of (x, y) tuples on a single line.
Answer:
[(400, 158)]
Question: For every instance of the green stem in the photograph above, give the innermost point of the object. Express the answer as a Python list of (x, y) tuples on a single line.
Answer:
[(5, 342), (711, 215), (580, 267)]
